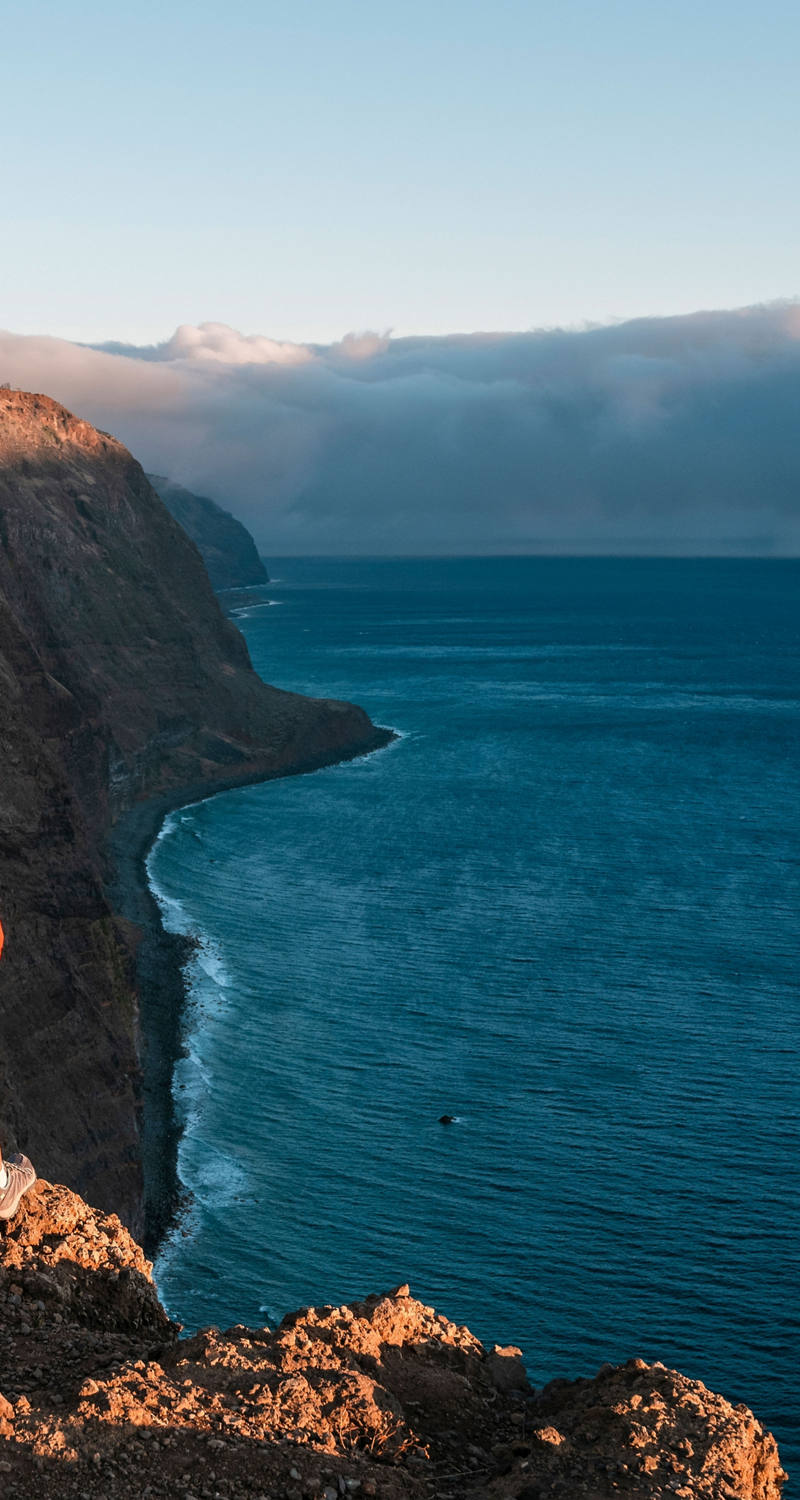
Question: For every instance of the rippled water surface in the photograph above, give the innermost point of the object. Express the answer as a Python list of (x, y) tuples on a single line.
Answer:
[(562, 908)]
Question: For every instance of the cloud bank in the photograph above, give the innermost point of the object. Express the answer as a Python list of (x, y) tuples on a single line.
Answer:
[(658, 435)]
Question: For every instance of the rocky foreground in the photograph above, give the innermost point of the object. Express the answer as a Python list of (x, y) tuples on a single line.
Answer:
[(382, 1398)]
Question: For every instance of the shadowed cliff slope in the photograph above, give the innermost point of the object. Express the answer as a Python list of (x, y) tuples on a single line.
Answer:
[(225, 545), (121, 680), (380, 1398)]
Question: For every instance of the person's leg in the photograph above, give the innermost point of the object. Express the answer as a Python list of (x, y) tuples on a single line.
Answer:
[(19, 1176), (16, 1174)]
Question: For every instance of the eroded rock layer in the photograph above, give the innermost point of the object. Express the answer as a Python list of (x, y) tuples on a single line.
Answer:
[(383, 1398), (120, 680)]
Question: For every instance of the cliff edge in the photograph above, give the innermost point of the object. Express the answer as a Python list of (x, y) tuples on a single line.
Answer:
[(225, 545), (124, 689), (383, 1398)]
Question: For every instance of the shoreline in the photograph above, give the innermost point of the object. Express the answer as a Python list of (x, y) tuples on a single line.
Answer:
[(159, 964)]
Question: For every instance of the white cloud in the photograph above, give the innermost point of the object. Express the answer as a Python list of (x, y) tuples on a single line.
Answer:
[(225, 346), (657, 432)]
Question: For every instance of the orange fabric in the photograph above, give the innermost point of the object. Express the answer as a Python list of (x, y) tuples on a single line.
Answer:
[(2, 937)]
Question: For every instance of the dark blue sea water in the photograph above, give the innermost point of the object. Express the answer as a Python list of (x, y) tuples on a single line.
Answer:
[(563, 908)]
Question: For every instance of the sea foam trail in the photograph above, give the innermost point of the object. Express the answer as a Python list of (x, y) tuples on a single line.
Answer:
[(211, 1178), (205, 1173)]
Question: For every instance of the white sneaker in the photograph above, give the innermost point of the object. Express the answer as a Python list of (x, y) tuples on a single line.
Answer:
[(21, 1176)]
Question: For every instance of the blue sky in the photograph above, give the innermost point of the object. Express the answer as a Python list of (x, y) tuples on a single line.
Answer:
[(304, 170)]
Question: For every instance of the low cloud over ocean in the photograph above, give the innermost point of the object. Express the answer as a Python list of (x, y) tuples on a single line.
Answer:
[(659, 435)]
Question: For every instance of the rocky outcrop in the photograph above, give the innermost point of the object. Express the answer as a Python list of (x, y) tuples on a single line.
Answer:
[(225, 545), (121, 682), (383, 1398)]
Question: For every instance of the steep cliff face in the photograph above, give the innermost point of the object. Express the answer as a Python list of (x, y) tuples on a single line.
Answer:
[(121, 680), (380, 1398), (225, 545)]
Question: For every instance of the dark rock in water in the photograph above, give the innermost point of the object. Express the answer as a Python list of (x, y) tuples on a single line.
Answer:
[(225, 545), (447, 1119)]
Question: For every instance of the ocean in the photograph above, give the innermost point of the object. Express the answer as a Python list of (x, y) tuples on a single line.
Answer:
[(561, 908)]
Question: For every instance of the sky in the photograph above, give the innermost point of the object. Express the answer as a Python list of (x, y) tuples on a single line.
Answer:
[(301, 171), (442, 276)]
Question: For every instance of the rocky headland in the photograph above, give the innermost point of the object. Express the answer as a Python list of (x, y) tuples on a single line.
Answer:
[(225, 545), (382, 1397), (125, 690)]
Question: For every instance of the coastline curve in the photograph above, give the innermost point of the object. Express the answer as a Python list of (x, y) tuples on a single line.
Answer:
[(160, 962)]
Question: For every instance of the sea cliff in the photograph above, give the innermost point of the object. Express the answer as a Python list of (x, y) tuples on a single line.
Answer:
[(225, 545), (124, 690)]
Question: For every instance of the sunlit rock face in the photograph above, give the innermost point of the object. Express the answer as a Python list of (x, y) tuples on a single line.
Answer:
[(382, 1398), (121, 680)]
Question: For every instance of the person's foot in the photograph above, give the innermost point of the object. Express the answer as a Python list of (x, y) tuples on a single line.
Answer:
[(20, 1176)]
